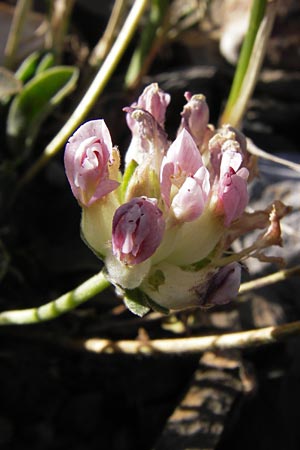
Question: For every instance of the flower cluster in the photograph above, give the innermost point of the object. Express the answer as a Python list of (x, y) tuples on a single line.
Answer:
[(164, 228)]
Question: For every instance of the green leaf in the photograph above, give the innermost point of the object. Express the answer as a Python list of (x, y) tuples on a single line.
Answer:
[(35, 63), (45, 63), (136, 302), (28, 67), (129, 171), (36, 101), (156, 307)]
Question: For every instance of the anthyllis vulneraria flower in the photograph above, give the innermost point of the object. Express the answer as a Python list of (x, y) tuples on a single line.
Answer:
[(165, 227)]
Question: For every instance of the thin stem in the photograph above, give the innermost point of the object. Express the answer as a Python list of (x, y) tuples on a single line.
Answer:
[(57, 307), (257, 14), (252, 148), (59, 21), (102, 47), (144, 53), (258, 283), (20, 14), (93, 92), (243, 339), (237, 110)]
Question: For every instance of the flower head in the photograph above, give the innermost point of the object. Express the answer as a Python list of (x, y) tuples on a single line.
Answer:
[(154, 101), (146, 118), (137, 230), (232, 185), (184, 179), (166, 231), (195, 116), (88, 157)]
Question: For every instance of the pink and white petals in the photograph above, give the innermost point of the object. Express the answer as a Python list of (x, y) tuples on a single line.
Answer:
[(232, 190), (137, 230), (182, 160), (145, 118), (224, 286), (153, 100), (190, 200), (233, 195), (195, 116), (88, 155), (148, 138), (167, 230)]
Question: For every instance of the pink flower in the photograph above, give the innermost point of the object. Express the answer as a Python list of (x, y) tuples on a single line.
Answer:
[(137, 230), (183, 168), (232, 190), (224, 286), (146, 118), (149, 140), (195, 116), (88, 155), (154, 101)]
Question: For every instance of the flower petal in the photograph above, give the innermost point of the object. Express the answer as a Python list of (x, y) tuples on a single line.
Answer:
[(233, 195), (225, 285), (137, 230), (153, 100), (195, 116), (87, 157), (182, 160), (189, 202)]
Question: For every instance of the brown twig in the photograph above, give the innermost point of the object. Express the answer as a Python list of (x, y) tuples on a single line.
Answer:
[(243, 339)]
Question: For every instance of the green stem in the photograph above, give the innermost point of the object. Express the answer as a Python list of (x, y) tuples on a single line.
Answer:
[(257, 14), (20, 14), (57, 307), (93, 92), (101, 49), (140, 60)]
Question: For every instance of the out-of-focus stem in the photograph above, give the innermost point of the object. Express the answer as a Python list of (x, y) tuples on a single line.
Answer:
[(59, 21), (256, 16), (19, 17), (149, 44), (98, 84), (258, 283), (237, 108), (252, 148), (102, 47)]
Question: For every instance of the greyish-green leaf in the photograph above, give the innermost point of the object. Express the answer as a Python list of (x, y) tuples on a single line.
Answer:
[(30, 108)]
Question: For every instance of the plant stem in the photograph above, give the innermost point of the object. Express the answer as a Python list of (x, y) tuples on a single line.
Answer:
[(98, 84), (243, 339), (239, 107), (258, 283), (59, 21), (19, 17), (101, 49), (57, 307), (144, 53), (254, 150), (256, 16)]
